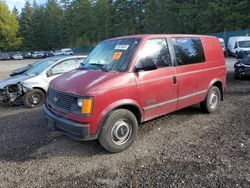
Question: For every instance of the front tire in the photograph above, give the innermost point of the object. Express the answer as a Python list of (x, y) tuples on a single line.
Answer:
[(34, 98), (119, 130), (212, 101)]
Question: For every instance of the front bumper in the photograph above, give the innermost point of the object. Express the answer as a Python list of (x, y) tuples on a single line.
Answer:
[(242, 71), (72, 129)]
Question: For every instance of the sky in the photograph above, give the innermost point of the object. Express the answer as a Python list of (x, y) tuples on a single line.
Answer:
[(20, 3)]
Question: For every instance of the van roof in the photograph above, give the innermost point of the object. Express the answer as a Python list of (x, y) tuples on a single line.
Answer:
[(143, 36)]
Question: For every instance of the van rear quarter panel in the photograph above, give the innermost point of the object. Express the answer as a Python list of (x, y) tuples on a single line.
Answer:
[(215, 61), (197, 78)]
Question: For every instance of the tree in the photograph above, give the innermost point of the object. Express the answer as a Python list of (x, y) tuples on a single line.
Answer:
[(8, 29), (26, 31), (80, 24), (53, 25)]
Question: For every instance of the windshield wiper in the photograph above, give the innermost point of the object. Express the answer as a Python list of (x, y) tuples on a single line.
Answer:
[(100, 66)]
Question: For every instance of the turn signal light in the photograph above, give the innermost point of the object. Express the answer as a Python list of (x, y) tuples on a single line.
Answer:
[(87, 106)]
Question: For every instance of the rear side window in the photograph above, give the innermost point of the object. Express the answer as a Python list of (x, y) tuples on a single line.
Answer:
[(188, 50)]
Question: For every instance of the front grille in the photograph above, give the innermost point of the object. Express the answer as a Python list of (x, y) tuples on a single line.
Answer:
[(61, 100)]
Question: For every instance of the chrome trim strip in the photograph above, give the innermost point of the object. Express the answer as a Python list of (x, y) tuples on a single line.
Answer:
[(175, 100), (160, 104), (192, 95)]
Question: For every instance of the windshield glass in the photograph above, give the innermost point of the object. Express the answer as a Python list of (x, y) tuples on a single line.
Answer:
[(244, 44), (39, 67), (112, 55)]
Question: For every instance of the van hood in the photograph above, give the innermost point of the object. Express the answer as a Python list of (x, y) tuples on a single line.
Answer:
[(89, 82), (13, 80)]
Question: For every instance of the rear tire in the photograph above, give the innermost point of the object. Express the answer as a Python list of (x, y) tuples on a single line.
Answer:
[(212, 101), (34, 98), (118, 131)]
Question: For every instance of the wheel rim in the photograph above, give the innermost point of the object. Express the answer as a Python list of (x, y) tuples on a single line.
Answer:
[(121, 132), (35, 99), (213, 99)]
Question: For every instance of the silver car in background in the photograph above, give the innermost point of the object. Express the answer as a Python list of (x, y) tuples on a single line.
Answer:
[(31, 86)]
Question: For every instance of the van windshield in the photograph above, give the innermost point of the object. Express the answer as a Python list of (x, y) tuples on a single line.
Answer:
[(112, 55), (244, 44)]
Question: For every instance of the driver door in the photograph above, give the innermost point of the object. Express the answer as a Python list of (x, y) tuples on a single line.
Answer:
[(156, 79)]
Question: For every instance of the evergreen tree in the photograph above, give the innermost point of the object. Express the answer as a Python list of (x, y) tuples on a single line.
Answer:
[(26, 31)]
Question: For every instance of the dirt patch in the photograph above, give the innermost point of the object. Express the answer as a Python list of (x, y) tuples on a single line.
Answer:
[(187, 148)]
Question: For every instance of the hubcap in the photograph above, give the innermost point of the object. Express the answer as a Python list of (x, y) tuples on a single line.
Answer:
[(35, 99), (121, 132), (213, 100)]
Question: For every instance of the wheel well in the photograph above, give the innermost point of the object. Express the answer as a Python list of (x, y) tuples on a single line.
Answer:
[(219, 85), (41, 90), (133, 109)]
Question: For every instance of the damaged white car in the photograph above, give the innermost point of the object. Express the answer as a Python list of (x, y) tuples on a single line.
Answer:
[(30, 87)]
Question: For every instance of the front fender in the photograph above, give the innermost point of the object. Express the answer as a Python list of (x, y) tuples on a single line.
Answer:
[(118, 104), (34, 84)]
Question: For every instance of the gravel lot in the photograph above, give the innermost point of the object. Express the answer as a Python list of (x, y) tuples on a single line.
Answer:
[(187, 148)]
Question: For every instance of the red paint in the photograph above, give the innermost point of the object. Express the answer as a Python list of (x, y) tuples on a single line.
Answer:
[(113, 89)]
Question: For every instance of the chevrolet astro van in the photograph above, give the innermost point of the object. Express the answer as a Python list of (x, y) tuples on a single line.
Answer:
[(129, 80)]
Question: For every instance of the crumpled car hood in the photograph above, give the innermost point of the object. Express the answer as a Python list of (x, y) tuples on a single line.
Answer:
[(13, 80)]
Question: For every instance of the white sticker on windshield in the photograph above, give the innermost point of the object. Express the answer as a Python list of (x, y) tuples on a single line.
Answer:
[(121, 47)]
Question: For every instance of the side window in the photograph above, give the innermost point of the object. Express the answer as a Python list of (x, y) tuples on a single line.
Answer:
[(188, 50), (154, 53), (64, 66)]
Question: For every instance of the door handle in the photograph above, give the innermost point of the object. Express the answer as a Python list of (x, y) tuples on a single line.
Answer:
[(174, 80)]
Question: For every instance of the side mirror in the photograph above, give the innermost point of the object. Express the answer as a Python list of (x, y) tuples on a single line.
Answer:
[(145, 65), (49, 73)]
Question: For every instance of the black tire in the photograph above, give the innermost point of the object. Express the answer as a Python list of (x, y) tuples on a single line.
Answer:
[(118, 123), (34, 98), (212, 101)]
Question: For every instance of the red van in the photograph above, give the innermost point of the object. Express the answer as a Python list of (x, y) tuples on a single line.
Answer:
[(132, 79)]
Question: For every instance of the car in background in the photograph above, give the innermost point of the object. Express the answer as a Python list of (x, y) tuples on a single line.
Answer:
[(48, 54), (57, 53), (222, 42), (31, 86), (38, 54), (67, 51), (17, 56), (242, 67), (26, 55), (241, 55), (4, 56), (239, 45)]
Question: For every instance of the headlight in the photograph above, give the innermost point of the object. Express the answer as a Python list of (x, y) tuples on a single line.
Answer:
[(26, 87), (86, 105), (239, 64), (79, 102)]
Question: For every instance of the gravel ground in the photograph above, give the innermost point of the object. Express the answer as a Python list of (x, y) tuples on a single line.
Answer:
[(187, 148)]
